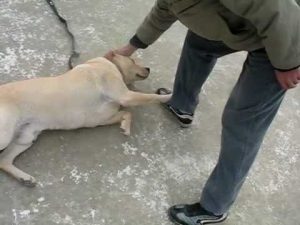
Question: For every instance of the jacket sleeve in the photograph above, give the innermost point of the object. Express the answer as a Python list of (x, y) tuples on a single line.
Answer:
[(156, 22), (277, 23)]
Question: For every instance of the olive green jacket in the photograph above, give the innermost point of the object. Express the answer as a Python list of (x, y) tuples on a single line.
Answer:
[(240, 24)]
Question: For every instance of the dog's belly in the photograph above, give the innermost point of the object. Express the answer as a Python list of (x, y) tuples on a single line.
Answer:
[(101, 115), (83, 117)]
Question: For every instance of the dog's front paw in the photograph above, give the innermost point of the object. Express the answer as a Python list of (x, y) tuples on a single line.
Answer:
[(165, 98), (28, 181)]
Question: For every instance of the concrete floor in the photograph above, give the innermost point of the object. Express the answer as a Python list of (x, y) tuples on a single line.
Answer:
[(98, 176)]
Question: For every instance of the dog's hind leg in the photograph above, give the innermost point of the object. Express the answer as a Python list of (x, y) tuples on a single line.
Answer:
[(22, 142), (7, 128), (122, 117), (5, 139)]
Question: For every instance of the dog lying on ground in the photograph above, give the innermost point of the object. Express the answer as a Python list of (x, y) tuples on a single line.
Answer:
[(89, 95)]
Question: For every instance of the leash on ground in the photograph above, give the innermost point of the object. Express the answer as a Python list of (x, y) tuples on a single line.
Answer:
[(74, 53)]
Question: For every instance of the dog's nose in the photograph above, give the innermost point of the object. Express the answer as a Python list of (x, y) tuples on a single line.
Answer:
[(148, 69)]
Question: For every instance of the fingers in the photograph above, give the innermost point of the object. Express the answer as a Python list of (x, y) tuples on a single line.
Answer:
[(109, 55), (289, 79), (293, 80), (127, 50), (284, 85), (291, 83), (281, 81), (288, 83)]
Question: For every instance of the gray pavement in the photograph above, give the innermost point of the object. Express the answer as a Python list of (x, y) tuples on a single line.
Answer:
[(98, 176)]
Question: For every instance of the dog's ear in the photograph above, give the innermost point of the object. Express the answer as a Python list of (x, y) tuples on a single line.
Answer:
[(110, 55)]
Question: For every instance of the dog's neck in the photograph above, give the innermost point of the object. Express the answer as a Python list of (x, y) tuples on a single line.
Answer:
[(111, 57), (121, 71)]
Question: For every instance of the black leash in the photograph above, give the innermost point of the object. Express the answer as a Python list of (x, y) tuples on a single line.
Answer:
[(74, 53)]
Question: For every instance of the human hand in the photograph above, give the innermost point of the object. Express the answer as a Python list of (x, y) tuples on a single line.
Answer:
[(288, 79), (126, 50)]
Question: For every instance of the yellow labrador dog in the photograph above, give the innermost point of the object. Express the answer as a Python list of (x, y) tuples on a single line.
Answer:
[(89, 95)]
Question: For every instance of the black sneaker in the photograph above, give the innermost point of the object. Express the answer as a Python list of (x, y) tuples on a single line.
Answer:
[(193, 215), (185, 119)]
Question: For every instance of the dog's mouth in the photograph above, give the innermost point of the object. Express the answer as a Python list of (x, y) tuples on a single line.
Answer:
[(141, 76)]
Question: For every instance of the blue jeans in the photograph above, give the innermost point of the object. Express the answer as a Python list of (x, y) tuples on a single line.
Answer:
[(252, 105)]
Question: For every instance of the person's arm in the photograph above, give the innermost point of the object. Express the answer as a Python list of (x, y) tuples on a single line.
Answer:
[(278, 24), (156, 22)]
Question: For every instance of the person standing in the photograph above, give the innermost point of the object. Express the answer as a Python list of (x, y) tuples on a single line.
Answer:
[(269, 31)]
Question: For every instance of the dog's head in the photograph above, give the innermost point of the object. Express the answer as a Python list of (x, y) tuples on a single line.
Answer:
[(130, 71)]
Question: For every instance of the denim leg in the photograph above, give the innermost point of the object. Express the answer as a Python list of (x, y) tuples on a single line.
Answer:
[(249, 111), (197, 60)]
